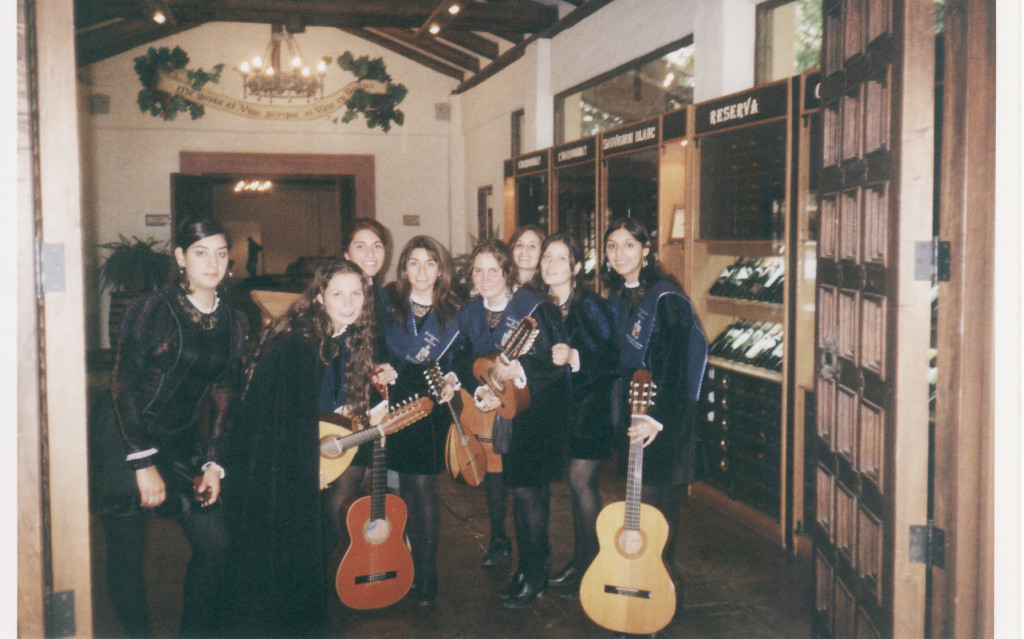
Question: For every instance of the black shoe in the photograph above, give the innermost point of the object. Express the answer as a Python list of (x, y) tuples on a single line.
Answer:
[(524, 594), (497, 552), (568, 578), (426, 591), (514, 586)]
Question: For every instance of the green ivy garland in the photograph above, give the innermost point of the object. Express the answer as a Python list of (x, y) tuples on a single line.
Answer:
[(378, 109), (160, 103)]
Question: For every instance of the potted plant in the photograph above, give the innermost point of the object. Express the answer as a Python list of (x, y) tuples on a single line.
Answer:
[(132, 268)]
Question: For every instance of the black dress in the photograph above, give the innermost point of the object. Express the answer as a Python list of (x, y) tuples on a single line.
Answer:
[(419, 448), (537, 450), (590, 324), (659, 331)]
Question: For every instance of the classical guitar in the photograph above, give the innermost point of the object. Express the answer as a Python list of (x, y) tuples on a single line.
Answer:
[(338, 443), (627, 588), (376, 569), (514, 400), (464, 455)]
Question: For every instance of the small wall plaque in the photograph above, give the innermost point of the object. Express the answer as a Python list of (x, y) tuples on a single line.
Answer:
[(157, 219), (410, 220)]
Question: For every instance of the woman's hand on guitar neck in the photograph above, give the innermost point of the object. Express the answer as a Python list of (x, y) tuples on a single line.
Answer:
[(384, 375), (643, 428), (505, 371)]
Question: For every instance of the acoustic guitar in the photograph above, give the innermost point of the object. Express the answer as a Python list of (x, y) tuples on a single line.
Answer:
[(376, 569), (514, 400), (338, 443), (464, 455), (627, 587)]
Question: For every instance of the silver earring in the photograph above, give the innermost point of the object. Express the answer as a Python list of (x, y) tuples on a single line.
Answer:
[(645, 262), (473, 292)]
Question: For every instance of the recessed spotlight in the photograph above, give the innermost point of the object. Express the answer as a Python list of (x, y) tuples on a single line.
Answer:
[(434, 29), (454, 9), (159, 17)]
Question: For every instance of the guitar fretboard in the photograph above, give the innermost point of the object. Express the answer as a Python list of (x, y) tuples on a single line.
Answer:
[(380, 481), (634, 481)]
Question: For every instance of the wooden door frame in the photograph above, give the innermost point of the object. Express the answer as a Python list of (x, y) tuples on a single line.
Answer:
[(963, 590), (54, 579)]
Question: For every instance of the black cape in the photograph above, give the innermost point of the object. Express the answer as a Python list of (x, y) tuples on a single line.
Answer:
[(273, 496)]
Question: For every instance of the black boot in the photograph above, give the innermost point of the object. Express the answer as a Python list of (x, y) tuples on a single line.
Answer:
[(497, 552), (522, 590)]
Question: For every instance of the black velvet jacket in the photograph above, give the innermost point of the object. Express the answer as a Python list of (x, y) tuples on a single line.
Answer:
[(152, 362)]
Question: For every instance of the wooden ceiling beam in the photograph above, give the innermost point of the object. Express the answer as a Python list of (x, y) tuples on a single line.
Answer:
[(116, 38), (472, 42), (435, 48), (408, 52)]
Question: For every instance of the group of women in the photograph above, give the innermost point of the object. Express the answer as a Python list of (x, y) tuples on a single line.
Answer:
[(350, 346)]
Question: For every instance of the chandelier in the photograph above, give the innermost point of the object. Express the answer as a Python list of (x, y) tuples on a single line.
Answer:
[(266, 77)]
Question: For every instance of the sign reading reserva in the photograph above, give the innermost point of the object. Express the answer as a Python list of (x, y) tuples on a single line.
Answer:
[(531, 162), (574, 152), (756, 105)]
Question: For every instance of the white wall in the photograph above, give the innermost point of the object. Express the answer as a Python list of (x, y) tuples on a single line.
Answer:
[(624, 30), (128, 155)]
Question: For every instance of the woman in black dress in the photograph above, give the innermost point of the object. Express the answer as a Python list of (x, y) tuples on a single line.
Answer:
[(593, 355), (174, 347), (524, 246), (658, 331), (535, 453), (316, 358), (421, 328)]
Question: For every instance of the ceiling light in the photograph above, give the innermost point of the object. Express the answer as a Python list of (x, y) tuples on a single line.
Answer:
[(159, 17), (668, 79), (276, 81), (454, 9), (434, 29)]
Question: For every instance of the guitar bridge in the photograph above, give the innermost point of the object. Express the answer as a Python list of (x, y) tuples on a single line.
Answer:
[(627, 592), (376, 577)]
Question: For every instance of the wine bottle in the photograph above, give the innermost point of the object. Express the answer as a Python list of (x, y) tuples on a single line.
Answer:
[(719, 285)]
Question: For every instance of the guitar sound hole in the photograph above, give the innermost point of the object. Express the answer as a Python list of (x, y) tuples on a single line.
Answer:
[(631, 543), (377, 531)]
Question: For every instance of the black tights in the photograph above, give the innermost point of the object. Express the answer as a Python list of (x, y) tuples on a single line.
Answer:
[(586, 504), (339, 490), (530, 507), (665, 499), (494, 485), (420, 495), (204, 577)]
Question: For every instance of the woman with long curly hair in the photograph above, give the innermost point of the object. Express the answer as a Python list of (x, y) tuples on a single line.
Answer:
[(422, 328), (316, 358)]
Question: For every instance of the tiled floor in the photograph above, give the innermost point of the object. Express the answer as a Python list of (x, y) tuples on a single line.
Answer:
[(737, 584)]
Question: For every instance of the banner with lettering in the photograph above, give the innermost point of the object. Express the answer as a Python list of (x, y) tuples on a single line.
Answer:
[(169, 88)]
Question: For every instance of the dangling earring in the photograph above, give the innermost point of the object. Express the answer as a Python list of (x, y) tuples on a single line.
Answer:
[(473, 292), (645, 262), (183, 280), (608, 267)]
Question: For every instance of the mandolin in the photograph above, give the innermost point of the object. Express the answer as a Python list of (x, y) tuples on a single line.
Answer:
[(464, 454), (338, 443), (376, 569), (514, 400), (627, 587)]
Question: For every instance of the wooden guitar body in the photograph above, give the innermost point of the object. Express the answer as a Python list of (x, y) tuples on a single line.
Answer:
[(332, 466), (480, 425), (464, 456), (376, 570), (514, 400), (627, 587)]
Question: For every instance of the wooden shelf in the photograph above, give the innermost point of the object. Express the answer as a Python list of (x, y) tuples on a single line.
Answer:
[(735, 307), (738, 510), (746, 369), (746, 248)]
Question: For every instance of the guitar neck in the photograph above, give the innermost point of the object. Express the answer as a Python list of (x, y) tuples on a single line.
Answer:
[(380, 481), (357, 439), (634, 481)]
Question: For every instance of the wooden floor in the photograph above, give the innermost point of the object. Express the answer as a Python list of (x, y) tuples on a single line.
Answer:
[(736, 583)]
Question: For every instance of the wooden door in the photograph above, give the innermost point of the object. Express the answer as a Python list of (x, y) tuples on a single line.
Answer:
[(869, 444)]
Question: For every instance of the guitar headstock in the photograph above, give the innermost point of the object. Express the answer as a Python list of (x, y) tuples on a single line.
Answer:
[(435, 378), (641, 392), (521, 338), (406, 413)]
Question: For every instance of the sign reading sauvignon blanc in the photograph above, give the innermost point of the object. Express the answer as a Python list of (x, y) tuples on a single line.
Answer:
[(171, 88)]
